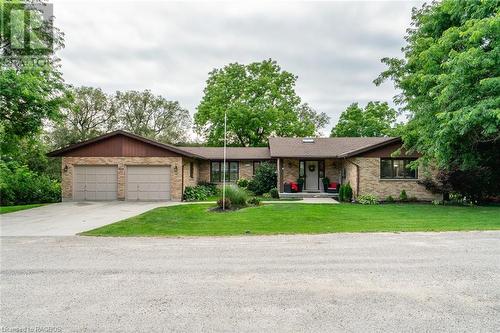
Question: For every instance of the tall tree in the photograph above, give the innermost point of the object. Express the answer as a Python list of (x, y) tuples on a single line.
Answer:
[(259, 100), (449, 76), (153, 116), (376, 119), (31, 85), (90, 113)]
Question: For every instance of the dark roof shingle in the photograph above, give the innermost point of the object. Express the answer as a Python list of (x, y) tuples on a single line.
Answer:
[(232, 153)]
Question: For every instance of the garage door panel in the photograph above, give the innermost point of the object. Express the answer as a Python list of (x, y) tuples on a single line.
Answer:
[(148, 183), (95, 183)]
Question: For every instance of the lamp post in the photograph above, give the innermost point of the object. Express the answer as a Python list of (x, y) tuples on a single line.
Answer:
[(224, 164)]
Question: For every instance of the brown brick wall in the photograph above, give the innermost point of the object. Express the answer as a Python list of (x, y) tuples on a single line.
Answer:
[(188, 181), (370, 182), (350, 175), (290, 170), (246, 170), (204, 171), (332, 169), (121, 162)]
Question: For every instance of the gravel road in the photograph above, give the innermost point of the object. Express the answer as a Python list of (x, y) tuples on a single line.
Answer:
[(338, 282)]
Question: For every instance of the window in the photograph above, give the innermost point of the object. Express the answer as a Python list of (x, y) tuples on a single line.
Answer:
[(191, 169), (397, 169), (217, 170), (302, 169), (321, 167)]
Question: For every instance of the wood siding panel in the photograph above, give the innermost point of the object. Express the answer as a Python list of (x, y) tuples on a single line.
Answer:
[(121, 146), (387, 151)]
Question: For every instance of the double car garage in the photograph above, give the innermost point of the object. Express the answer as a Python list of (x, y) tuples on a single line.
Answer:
[(100, 182)]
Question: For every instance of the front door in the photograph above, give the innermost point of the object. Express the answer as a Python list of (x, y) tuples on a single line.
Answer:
[(312, 176)]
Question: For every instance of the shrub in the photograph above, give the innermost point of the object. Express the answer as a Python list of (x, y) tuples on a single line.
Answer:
[(389, 199), (266, 195), (274, 193), (254, 201), (473, 185), (367, 199), (210, 187), (437, 202), (326, 182), (300, 182), (227, 203), (412, 199), (19, 185), (242, 182), (265, 179), (238, 196), (403, 196), (345, 192), (196, 193)]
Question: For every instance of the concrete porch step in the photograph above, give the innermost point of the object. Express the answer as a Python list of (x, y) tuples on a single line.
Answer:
[(309, 195)]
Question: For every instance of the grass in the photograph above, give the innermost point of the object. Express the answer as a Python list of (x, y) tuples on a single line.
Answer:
[(11, 209), (218, 196), (197, 220)]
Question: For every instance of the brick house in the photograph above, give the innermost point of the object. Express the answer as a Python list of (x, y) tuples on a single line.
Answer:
[(123, 166)]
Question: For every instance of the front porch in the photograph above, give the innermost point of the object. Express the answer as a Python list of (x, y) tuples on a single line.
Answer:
[(310, 174), (309, 195)]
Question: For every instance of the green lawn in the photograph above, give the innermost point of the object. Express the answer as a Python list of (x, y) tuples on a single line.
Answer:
[(196, 220), (217, 197), (11, 209)]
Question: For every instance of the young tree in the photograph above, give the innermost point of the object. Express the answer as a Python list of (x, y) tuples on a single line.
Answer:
[(449, 77), (259, 100), (376, 119), (90, 113), (152, 116)]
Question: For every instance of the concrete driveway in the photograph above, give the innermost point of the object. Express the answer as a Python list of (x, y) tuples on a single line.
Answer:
[(70, 218), (408, 282)]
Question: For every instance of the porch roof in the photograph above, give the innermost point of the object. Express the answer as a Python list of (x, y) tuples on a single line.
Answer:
[(325, 147)]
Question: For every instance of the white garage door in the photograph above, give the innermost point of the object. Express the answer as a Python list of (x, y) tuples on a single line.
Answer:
[(95, 182), (148, 183)]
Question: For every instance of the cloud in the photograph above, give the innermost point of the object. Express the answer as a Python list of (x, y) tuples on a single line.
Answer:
[(169, 47)]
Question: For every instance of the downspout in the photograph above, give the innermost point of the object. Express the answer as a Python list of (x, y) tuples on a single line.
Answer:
[(357, 175), (182, 179)]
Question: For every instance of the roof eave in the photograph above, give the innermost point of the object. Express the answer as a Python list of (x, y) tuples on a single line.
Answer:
[(368, 148), (60, 152)]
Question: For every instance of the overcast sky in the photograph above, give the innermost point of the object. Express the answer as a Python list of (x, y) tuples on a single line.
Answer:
[(169, 47)]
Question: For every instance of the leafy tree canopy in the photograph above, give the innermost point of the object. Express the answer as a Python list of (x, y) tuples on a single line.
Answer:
[(259, 100), (31, 85), (376, 119), (450, 83), (152, 116), (90, 113)]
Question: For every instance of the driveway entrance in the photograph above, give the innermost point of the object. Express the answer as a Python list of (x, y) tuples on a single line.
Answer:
[(70, 218)]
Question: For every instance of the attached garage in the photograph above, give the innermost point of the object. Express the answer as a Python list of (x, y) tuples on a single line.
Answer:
[(148, 183), (95, 182), (124, 166)]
